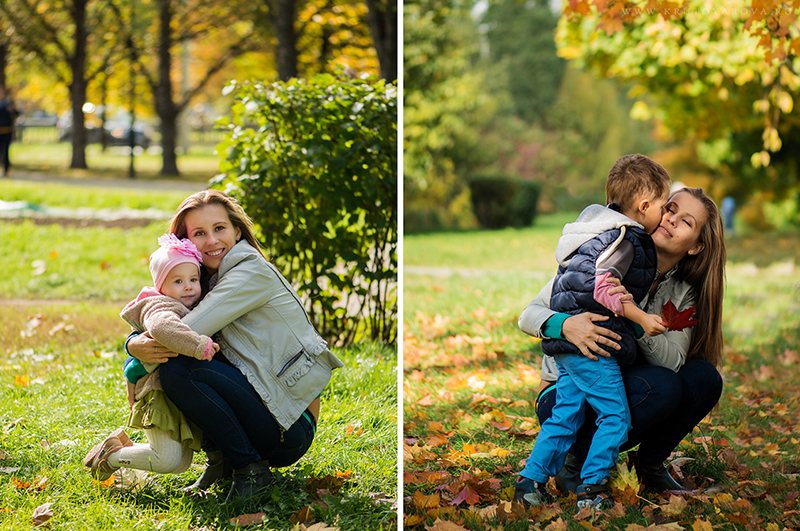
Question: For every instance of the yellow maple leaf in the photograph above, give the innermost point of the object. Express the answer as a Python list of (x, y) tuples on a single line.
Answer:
[(626, 478)]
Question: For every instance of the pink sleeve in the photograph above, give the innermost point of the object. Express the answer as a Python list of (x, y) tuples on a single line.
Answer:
[(601, 289), (207, 354)]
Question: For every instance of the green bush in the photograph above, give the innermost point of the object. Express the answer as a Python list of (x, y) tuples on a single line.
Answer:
[(499, 201), (314, 163)]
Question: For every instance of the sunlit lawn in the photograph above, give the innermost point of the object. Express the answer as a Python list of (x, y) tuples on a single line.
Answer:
[(199, 164), (471, 377)]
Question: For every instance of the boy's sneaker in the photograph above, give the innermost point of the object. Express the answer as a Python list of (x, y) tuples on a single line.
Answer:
[(530, 492), (593, 495)]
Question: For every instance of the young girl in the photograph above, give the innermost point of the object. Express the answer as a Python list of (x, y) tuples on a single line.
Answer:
[(259, 400), (175, 268)]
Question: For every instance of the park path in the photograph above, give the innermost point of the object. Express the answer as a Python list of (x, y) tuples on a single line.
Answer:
[(140, 184), (121, 217)]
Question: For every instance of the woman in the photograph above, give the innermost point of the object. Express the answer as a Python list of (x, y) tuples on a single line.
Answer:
[(675, 382), (257, 401)]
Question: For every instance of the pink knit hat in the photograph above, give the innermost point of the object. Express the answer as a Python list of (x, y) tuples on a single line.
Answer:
[(171, 253)]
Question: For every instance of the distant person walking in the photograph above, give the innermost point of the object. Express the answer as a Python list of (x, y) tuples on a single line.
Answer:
[(8, 113)]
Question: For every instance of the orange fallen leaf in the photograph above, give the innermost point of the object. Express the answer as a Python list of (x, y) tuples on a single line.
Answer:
[(22, 380), (248, 519), (426, 501), (302, 516), (426, 401), (444, 525)]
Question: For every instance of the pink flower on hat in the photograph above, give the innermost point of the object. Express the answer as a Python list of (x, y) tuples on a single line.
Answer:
[(172, 252), (184, 246)]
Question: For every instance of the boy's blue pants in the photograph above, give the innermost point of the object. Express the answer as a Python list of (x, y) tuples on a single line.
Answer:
[(582, 380)]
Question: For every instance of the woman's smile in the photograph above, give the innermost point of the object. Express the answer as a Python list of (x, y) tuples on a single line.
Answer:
[(211, 230)]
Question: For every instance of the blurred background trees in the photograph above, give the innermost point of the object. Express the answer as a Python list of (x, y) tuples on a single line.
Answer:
[(167, 60), (707, 88)]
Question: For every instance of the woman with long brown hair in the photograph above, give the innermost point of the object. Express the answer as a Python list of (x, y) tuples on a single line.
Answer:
[(676, 381), (258, 400)]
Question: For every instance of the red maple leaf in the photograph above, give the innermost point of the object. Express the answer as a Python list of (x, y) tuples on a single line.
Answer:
[(468, 495), (675, 320)]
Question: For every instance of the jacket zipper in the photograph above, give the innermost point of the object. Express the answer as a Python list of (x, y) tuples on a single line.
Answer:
[(290, 362)]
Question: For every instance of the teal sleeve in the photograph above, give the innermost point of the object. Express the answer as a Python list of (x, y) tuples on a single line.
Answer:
[(552, 327), (638, 331), (134, 370)]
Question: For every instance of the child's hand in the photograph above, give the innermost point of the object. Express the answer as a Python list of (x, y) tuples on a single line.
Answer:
[(131, 392), (653, 324), (214, 350)]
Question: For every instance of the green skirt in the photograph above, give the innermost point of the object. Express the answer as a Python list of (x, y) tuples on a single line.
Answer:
[(155, 411)]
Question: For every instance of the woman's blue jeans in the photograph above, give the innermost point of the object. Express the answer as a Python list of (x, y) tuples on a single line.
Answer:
[(665, 406), (218, 398)]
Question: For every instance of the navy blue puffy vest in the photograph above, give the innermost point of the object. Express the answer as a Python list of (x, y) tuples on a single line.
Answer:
[(573, 289)]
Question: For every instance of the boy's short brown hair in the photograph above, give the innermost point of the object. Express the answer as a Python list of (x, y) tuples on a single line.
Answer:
[(634, 176)]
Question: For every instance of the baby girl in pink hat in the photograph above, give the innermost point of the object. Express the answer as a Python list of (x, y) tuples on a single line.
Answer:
[(157, 310)]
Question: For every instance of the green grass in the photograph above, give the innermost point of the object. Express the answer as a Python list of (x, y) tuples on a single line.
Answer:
[(56, 262), (96, 197), (200, 164), (75, 398), (470, 381)]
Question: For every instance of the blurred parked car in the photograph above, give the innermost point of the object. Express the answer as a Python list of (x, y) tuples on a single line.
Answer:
[(117, 131)]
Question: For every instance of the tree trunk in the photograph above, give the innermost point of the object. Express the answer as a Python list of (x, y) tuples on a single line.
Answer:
[(165, 106), (287, 40), (382, 20), (77, 89)]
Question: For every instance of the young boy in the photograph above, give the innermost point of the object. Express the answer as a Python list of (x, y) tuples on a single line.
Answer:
[(602, 242)]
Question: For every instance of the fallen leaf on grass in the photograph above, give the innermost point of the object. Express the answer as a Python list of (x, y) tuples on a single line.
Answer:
[(424, 501), (466, 495), (654, 527), (412, 519), (558, 525), (626, 478), (675, 507), (426, 401), (319, 526), (329, 482), (42, 514), (302, 516), (39, 483), (444, 525), (248, 519)]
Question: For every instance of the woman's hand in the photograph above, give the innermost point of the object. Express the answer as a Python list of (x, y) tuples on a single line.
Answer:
[(581, 331), (147, 350)]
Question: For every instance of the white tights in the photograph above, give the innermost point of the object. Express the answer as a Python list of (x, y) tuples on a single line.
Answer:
[(162, 455)]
